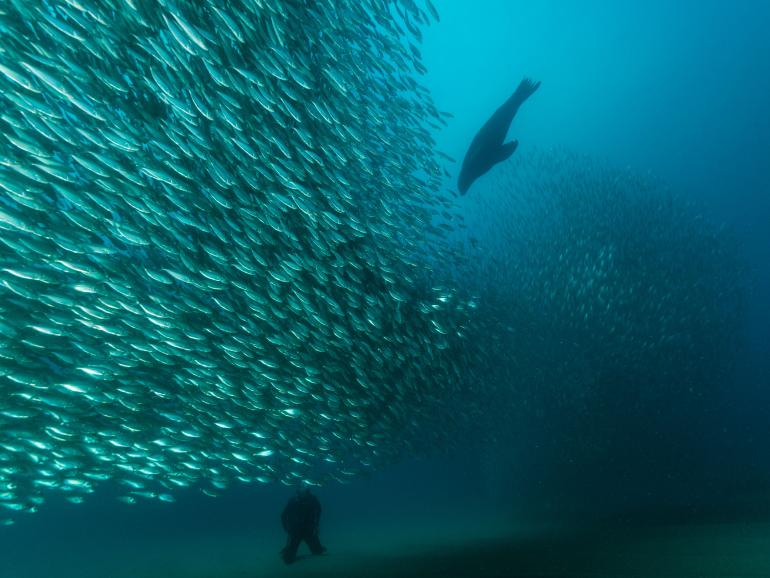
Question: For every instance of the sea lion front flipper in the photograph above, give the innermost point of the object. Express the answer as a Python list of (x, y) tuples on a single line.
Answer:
[(505, 151)]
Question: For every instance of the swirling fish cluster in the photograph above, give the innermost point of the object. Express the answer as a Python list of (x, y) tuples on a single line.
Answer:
[(212, 223), (614, 309)]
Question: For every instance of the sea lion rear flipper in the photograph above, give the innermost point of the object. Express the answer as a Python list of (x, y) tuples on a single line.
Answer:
[(505, 151), (526, 88)]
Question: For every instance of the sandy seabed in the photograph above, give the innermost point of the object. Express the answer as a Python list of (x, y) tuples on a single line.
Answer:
[(457, 549)]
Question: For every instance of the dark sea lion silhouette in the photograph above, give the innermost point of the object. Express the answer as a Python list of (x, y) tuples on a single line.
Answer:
[(487, 148)]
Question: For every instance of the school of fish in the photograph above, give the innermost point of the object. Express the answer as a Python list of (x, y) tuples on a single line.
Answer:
[(612, 310), (213, 218), (225, 255)]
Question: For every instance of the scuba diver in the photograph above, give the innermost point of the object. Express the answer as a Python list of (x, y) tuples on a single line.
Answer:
[(300, 519)]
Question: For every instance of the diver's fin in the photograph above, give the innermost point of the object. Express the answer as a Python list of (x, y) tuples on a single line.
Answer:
[(505, 151)]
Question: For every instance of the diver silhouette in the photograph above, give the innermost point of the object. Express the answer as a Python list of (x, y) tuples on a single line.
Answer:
[(300, 519)]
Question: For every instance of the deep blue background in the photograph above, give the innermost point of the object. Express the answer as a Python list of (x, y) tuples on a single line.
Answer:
[(679, 89)]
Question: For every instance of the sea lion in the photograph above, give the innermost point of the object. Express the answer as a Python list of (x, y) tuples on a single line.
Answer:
[(487, 148)]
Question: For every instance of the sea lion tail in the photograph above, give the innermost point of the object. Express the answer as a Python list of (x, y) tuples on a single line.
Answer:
[(526, 88)]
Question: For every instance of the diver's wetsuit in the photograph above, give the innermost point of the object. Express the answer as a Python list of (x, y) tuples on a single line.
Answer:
[(300, 519)]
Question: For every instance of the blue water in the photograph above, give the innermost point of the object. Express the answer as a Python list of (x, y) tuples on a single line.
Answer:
[(677, 89)]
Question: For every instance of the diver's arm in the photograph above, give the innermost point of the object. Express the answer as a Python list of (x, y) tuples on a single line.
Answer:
[(285, 518), (316, 513)]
